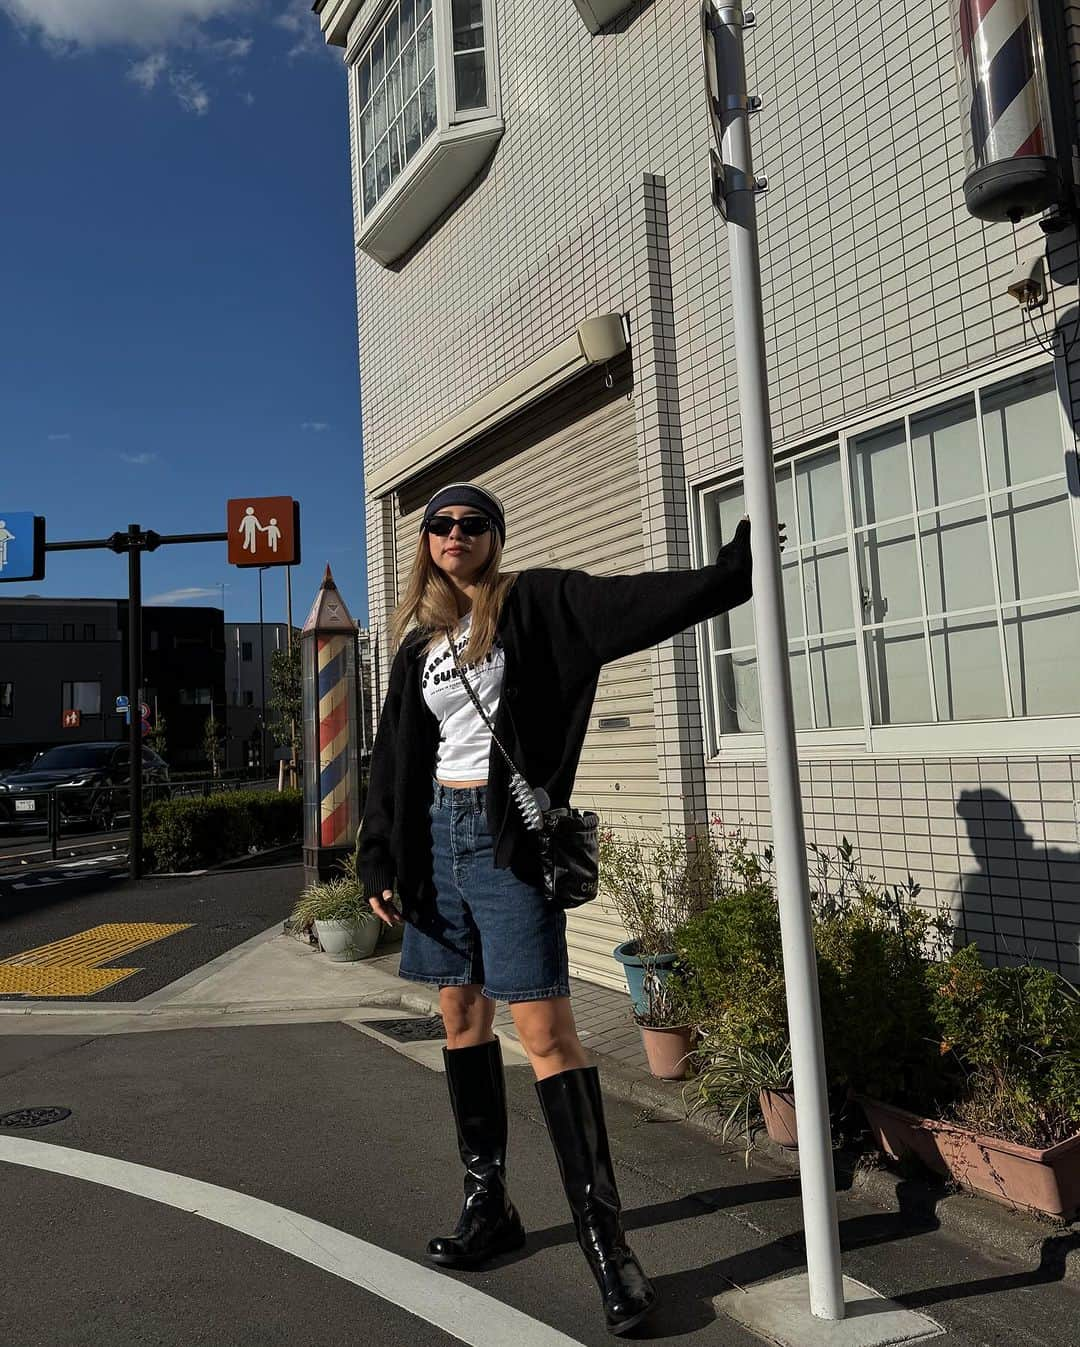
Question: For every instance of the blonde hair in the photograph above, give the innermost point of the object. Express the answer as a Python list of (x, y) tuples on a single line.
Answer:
[(428, 602)]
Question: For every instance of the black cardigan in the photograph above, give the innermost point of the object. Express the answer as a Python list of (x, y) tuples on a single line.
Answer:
[(558, 628)]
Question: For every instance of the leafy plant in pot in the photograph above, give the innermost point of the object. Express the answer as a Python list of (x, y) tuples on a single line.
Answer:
[(745, 1085), (666, 1032), (1007, 1123), (654, 883), (341, 916)]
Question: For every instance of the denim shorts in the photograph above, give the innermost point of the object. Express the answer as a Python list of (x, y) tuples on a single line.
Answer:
[(489, 927)]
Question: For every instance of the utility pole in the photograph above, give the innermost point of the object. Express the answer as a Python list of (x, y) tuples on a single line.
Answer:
[(735, 193), (135, 544), (262, 678), (289, 638)]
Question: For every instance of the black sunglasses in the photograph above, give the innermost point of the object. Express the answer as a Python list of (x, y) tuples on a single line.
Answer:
[(473, 525)]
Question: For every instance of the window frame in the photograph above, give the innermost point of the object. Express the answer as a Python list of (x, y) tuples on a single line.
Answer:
[(68, 698), (985, 737), (8, 701), (452, 128)]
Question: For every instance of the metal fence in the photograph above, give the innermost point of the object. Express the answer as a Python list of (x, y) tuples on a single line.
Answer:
[(71, 821)]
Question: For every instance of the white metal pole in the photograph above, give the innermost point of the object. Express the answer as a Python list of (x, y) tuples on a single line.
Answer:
[(789, 838)]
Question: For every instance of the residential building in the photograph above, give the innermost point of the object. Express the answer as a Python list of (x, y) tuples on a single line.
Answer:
[(248, 665), (544, 306), (64, 655)]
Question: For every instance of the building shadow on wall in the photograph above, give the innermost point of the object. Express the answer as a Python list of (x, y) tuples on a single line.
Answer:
[(1022, 904)]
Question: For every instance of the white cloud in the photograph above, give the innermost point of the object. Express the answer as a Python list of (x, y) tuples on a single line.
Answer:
[(190, 92), (139, 459), (304, 27), (148, 71), (315, 425), (247, 97), (135, 23), (190, 595), (60, 435), (230, 48)]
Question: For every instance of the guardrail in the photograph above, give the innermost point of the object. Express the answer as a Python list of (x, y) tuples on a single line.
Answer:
[(67, 813)]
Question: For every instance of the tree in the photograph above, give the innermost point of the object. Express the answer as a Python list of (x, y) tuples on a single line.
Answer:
[(158, 738), (286, 696), (213, 744)]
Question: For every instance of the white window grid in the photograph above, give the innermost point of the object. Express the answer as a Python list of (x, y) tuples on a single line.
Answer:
[(396, 100), (404, 87), (912, 736)]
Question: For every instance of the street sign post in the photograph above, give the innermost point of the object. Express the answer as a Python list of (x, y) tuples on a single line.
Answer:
[(263, 531), (22, 546)]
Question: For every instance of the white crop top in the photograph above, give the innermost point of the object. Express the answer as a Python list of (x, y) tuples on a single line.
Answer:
[(464, 739)]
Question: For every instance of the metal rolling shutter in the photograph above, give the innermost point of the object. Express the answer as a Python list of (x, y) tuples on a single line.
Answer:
[(576, 458)]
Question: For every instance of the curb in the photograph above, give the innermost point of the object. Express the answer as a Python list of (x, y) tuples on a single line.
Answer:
[(236, 863), (985, 1225), (924, 1204)]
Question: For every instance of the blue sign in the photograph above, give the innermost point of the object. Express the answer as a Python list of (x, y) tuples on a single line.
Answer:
[(122, 704), (22, 546)]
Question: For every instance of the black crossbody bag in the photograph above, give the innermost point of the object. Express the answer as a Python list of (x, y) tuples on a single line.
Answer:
[(568, 838)]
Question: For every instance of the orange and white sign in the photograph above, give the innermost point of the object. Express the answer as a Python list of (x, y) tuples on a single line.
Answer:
[(263, 531)]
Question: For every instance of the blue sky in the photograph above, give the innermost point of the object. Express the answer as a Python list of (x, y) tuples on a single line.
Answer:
[(178, 294)]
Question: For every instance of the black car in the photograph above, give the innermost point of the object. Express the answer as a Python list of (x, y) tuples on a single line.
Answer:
[(89, 779)]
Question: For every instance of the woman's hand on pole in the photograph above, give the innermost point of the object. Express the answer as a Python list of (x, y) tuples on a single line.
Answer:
[(384, 908), (781, 532)]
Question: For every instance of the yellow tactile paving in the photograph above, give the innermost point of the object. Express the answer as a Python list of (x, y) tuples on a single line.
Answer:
[(97, 945), (66, 980), (69, 967)]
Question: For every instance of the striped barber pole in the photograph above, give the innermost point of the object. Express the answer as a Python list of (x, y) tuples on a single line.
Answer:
[(999, 42), (335, 779)]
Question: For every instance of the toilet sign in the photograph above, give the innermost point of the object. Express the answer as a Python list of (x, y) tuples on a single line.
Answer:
[(263, 531), (22, 546)]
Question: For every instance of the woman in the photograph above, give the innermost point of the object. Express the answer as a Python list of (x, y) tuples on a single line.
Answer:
[(465, 867)]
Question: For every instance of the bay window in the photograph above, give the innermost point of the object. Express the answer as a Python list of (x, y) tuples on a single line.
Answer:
[(424, 91), (930, 579)]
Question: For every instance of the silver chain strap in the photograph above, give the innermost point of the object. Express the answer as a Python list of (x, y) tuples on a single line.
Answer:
[(524, 795)]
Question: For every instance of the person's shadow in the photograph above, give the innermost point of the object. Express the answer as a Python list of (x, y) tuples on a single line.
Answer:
[(1014, 906)]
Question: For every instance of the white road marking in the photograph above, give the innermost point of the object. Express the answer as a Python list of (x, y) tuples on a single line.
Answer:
[(464, 1313)]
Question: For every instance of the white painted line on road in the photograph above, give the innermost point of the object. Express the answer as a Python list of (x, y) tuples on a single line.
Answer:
[(464, 1313)]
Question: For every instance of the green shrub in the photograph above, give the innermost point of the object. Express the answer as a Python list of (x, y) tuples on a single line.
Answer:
[(192, 833), (732, 969), (1013, 1038), (873, 943)]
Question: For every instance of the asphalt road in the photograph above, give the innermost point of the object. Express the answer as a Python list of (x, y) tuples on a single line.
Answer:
[(220, 910), (20, 847), (329, 1125)]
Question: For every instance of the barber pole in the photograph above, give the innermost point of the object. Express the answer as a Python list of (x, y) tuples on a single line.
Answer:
[(331, 775), (1008, 114)]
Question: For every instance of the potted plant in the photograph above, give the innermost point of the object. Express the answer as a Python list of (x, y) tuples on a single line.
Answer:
[(744, 1085), (346, 927), (1008, 1122), (655, 883), (666, 1032)]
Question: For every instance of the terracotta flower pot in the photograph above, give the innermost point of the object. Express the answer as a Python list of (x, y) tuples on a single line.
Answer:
[(667, 1050), (778, 1110), (1039, 1180)]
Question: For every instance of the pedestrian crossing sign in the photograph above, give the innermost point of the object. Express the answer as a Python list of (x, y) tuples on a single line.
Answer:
[(22, 546)]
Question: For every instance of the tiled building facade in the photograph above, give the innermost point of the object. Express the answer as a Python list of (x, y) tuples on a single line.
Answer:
[(934, 598)]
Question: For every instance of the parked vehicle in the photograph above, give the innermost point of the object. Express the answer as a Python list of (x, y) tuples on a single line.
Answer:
[(89, 779)]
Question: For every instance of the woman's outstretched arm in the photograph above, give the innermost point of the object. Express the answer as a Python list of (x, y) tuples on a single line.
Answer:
[(616, 615)]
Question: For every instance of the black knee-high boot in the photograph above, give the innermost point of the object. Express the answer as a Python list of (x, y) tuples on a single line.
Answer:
[(574, 1112), (489, 1225)]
